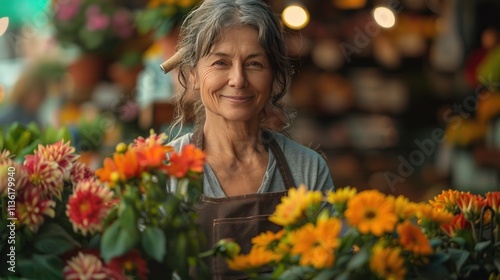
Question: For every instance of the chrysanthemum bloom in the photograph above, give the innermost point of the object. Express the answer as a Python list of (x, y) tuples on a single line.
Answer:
[(293, 206), (413, 239), (316, 244), (80, 172), (190, 159), (61, 153), (44, 175), (13, 172), (371, 212), (256, 258), (458, 223), (88, 206), (387, 263), (131, 266), (447, 200), (31, 208), (404, 208), (85, 266), (339, 198), (152, 140), (431, 219), (267, 239), (471, 205)]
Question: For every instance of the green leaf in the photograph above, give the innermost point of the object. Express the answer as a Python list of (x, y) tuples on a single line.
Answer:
[(128, 217), (116, 241), (53, 239), (459, 257), (358, 260), (459, 240), (326, 275), (41, 267), (180, 255), (154, 243), (480, 246), (496, 262), (297, 273)]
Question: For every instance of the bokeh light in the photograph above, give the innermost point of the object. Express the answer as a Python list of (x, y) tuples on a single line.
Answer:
[(295, 16), (384, 17)]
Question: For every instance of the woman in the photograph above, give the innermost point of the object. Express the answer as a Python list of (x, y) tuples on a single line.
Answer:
[(231, 57)]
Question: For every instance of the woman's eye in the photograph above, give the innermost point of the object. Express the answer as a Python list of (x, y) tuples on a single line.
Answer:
[(219, 63), (255, 64)]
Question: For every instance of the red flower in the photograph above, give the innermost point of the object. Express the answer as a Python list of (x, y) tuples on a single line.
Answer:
[(190, 159), (471, 205), (459, 222), (88, 206), (31, 209), (80, 172), (44, 175), (131, 265)]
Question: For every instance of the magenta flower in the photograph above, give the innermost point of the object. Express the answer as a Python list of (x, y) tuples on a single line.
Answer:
[(96, 20), (122, 23), (68, 10)]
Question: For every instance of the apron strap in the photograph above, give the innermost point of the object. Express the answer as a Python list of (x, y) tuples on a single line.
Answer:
[(282, 163)]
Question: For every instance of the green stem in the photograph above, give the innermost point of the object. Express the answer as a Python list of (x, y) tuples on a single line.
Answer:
[(473, 229)]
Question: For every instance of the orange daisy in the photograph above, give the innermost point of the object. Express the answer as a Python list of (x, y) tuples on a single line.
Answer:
[(256, 258), (371, 212), (293, 206), (387, 263), (404, 208), (413, 239), (268, 238), (122, 167), (189, 159)]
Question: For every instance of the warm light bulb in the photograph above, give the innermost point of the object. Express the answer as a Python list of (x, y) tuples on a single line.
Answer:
[(295, 16), (384, 17)]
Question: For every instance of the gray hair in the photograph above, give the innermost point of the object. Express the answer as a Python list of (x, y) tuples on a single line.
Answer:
[(204, 26)]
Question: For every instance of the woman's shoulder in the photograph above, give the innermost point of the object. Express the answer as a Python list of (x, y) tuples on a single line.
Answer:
[(290, 146), (178, 142)]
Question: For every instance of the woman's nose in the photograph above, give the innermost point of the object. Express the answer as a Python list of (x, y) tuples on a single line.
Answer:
[(237, 77)]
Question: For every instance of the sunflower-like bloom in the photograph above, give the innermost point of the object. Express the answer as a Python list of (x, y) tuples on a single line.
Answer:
[(256, 258), (339, 198), (131, 266), (447, 200), (471, 205), (413, 239), (61, 153), (31, 209), (387, 263), (316, 244), (85, 266), (293, 206), (371, 212), (189, 159), (88, 206), (457, 223), (44, 175), (404, 208)]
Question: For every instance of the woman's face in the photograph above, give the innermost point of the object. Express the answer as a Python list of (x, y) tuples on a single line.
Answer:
[(235, 78)]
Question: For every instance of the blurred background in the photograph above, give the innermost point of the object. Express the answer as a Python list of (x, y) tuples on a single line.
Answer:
[(399, 95)]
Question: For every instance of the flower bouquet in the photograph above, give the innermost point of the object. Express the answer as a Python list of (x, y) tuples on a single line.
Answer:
[(62, 220), (371, 235)]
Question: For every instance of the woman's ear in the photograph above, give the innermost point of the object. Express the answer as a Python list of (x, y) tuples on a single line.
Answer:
[(193, 78)]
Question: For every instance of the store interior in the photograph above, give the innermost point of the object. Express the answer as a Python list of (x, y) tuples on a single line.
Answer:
[(398, 95)]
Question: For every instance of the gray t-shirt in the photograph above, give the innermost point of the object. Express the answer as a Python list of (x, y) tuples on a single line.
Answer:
[(306, 165)]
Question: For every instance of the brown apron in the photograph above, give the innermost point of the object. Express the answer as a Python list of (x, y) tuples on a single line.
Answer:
[(239, 217)]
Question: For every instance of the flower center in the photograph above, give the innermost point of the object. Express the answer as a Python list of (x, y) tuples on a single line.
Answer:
[(84, 207), (370, 214)]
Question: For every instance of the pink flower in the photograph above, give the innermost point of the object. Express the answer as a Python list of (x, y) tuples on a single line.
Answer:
[(60, 152), (68, 10), (122, 23), (31, 209), (88, 206), (80, 172), (85, 266), (152, 140), (96, 20), (44, 175)]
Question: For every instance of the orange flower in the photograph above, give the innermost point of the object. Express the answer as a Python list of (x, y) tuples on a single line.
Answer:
[(387, 263), (471, 205), (428, 213), (493, 200), (121, 167), (292, 207), (153, 157), (413, 239), (190, 159), (371, 212), (257, 257), (459, 222), (404, 208), (447, 200), (266, 239), (341, 196), (316, 244)]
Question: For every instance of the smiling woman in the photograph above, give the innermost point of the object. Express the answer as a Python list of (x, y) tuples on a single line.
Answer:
[(231, 60)]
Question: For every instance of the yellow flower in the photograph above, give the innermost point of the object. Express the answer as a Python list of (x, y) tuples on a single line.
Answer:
[(316, 244), (267, 238), (292, 207), (404, 208), (446, 200), (413, 239), (341, 196), (371, 212), (257, 257), (387, 263), (426, 212)]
